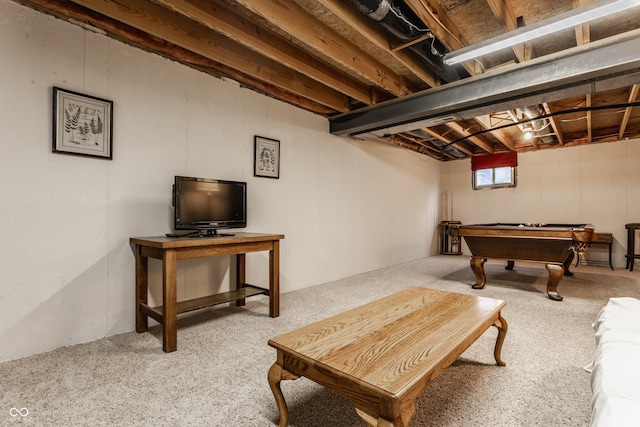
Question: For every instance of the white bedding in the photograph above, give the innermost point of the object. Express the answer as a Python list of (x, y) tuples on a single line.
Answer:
[(615, 375)]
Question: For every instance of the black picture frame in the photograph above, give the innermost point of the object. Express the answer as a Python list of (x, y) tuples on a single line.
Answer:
[(266, 159), (82, 124)]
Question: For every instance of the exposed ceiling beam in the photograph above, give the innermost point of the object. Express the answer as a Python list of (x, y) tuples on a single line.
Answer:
[(447, 140), (224, 20), (500, 134), (369, 30), (633, 95), (557, 128), (583, 31), (503, 10), (579, 70), (160, 22), (292, 19), (473, 139)]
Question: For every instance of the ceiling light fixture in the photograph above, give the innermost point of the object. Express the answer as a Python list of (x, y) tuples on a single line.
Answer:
[(565, 20)]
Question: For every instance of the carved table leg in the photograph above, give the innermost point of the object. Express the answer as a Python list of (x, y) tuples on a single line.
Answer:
[(567, 263), (277, 374), (372, 421), (407, 409), (477, 265), (556, 272), (502, 326)]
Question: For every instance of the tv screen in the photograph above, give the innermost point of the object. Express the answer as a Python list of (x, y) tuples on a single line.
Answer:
[(207, 205)]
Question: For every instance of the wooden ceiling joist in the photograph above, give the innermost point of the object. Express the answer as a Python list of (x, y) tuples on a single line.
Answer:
[(447, 140), (158, 21), (503, 11), (295, 21), (474, 139), (633, 95), (557, 128), (370, 31), (224, 20), (500, 134)]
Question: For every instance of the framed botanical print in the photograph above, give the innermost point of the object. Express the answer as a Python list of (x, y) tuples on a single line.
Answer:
[(82, 124), (266, 161)]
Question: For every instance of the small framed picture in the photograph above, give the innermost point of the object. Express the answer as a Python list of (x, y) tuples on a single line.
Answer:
[(266, 160), (82, 124)]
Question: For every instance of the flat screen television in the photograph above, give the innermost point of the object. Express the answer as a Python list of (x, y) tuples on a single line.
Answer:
[(205, 205)]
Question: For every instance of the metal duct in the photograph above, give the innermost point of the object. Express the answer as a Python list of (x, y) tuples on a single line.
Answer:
[(400, 21), (539, 126), (601, 65)]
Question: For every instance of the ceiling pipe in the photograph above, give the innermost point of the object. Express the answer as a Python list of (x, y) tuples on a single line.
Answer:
[(538, 125), (400, 21)]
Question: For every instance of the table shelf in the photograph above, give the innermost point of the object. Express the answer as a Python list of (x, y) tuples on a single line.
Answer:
[(208, 301)]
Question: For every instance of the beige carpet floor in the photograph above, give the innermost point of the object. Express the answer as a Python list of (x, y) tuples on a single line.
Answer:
[(218, 376)]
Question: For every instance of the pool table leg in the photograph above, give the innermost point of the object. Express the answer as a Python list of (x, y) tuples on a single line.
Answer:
[(556, 271), (477, 265), (567, 263)]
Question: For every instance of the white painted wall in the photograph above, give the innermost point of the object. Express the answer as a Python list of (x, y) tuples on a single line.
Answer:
[(67, 271), (597, 184)]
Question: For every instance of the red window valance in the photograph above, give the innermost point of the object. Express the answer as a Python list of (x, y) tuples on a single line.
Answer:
[(494, 161)]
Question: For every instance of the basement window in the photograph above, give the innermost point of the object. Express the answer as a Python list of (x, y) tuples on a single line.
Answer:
[(494, 171), (494, 178)]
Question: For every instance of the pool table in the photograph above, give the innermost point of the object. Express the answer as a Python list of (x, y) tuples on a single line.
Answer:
[(552, 244)]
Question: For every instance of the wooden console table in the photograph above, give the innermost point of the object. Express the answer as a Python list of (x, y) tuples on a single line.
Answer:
[(170, 250)]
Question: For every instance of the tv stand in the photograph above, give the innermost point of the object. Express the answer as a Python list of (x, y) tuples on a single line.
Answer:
[(172, 249)]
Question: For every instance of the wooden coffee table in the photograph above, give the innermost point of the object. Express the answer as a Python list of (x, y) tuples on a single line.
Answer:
[(382, 355)]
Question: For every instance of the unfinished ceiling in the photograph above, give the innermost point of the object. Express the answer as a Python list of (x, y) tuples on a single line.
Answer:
[(375, 68)]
